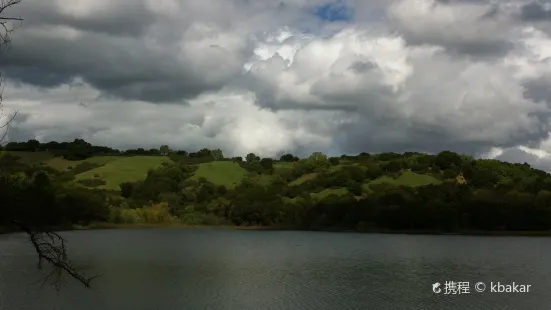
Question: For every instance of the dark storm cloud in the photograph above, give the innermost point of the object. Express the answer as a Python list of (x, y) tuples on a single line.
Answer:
[(538, 90), (492, 48), (362, 66), (477, 28), (111, 50), (535, 11), (126, 68), (431, 77), (515, 155), (119, 18), (400, 136)]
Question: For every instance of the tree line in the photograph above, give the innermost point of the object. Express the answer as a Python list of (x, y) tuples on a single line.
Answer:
[(465, 194)]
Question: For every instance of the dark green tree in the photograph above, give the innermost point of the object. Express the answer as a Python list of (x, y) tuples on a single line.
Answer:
[(250, 157)]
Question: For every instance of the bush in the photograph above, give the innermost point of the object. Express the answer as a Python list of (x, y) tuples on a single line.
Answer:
[(126, 189), (129, 216), (85, 166), (449, 174), (66, 177), (355, 188), (156, 214), (92, 182), (221, 190), (83, 206)]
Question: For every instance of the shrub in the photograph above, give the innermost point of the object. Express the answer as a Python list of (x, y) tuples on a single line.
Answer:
[(126, 189), (334, 161), (92, 182), (84, 166)]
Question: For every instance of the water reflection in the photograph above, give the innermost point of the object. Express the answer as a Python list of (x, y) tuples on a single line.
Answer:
[(225, 269)]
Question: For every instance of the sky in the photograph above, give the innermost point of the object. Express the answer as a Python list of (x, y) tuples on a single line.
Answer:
[(272, 77)]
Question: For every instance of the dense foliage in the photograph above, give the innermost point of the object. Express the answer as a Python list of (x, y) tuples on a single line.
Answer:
[(378, 192)]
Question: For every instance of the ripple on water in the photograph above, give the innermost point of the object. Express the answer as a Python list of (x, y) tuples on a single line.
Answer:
[(227, 269)]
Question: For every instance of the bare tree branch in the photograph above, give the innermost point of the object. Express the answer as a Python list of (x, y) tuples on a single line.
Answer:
[(51, 248), (9, 118), (6, 24), (4, 4), (6, 28), (11, 18)]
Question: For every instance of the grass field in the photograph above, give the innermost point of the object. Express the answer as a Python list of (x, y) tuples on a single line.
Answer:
[(31, 157), (58, 163), (330, 191), (407, 178), (264, 179), (62, 164), (304, 178), (224, 173), (122, 169), (283, 166)]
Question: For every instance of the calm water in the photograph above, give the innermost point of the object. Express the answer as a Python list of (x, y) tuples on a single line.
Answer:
[(228, 269)]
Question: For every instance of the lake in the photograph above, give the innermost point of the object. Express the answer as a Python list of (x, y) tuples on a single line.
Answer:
[(180, 268)]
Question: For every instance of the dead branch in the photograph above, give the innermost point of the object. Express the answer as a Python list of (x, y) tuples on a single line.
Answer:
[(6, 24), (4, 4), (10, 118), (6, 28), (51, 248)]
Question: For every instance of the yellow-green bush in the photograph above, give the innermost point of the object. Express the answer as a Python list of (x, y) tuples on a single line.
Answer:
[(155, 214)]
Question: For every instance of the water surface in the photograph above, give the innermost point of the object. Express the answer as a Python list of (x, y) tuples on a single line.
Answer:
[(232, 269)]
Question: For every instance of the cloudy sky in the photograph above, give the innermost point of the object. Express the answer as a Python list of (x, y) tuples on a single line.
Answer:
[(265, 76)]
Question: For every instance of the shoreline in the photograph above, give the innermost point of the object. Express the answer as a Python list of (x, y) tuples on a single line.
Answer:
[(492, 233)]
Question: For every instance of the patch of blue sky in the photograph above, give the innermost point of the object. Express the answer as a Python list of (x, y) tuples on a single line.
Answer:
[(337, 11)]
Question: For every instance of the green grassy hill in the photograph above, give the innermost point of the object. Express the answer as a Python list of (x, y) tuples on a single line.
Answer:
[(371, 192), (115, 170), (30, 158), (122, 169), (341, 191), (407, 178), (225, 173), (62, 164), (304, 178)]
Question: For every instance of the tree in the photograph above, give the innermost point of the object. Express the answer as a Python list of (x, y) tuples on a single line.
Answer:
[(250, 157), (318, 160), (126, 189), (49, 246), (33, 145), (164, 149), (267, 163), (355, 188), (288, 158), (217, 154), (447, 159)]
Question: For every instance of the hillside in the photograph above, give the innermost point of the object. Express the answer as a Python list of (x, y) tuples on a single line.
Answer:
[(409, 191), (116, 171), (228, 174)]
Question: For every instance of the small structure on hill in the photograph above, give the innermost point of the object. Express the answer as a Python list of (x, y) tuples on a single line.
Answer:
[(460, 179)]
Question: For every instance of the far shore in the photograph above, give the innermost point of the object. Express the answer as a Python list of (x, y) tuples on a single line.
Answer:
[(497, 233), (494, 233)]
